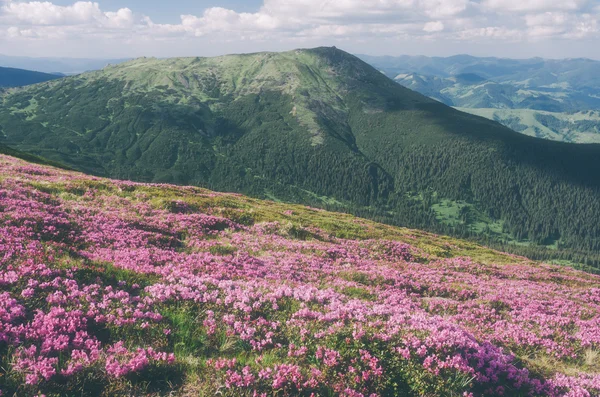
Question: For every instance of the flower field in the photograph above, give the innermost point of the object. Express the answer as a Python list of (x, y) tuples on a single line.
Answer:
[(111, 288)]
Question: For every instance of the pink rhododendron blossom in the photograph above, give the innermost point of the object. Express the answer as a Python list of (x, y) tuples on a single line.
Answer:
[(100, 277)]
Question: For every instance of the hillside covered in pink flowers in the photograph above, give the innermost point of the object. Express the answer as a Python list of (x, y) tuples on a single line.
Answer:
[(111, 288)]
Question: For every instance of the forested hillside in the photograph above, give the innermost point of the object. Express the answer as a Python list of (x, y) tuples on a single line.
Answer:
[(29, 157), (319, 127)]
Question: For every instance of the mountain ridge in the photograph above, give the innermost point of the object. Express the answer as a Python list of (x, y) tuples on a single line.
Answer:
[(316, 126)]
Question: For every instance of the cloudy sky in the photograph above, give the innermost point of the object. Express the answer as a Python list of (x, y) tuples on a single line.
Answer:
[(131, 28)]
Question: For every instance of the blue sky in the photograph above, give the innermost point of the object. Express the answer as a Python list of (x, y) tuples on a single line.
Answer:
[(131, 28)]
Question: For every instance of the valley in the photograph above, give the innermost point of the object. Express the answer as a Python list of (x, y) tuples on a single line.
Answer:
[(549, 99), (580, 127)]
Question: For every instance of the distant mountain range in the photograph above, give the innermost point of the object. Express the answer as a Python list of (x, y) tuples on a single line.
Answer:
[(55, 65), (10, 77), (319, 127), (553, 99)]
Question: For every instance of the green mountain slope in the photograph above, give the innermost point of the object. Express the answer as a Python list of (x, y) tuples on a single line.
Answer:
[(10, 77), (319, 127), (474, 92)]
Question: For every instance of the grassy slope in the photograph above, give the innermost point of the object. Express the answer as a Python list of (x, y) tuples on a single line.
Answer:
[(443, 272), (248, 210), (313, 126)]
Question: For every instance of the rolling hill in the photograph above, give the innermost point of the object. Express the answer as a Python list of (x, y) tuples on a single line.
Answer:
[(114, 288), (566, 90), (10, 77), (319, 127), (580, 127), (581, 75)]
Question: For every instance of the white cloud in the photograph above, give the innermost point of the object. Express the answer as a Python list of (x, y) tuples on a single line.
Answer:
[(548, 18), (223, 20), (491, 32), (123, 18), (436, 26), (324, 18), (311, 21), (443, 8), (321, 9), (535, 5), (45, 13), (561, 24)]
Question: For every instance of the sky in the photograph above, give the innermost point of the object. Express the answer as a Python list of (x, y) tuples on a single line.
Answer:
[(133, 28)]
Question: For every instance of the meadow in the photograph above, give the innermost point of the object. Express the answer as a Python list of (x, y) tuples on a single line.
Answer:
[(114, 288)]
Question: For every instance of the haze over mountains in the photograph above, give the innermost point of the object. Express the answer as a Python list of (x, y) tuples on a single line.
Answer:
[(552, 99), (56, 65), (319, 127)]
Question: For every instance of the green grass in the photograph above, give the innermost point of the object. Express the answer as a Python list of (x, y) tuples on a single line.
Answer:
[(358, 293), (454, 213), (222, 250)]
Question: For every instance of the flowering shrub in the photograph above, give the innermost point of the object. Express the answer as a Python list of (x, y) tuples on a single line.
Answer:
[(116, 288)]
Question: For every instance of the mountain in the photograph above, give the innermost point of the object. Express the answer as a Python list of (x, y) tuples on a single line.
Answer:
[(114, 288), (580, 73), (319, 127), (568, 88), (10, 77), (55, 65)]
